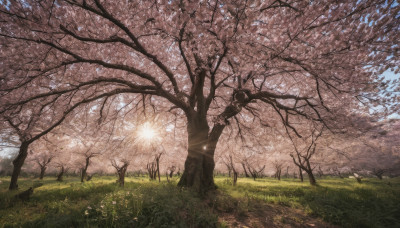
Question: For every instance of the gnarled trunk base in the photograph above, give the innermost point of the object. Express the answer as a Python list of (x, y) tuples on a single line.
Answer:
[(199, 164), (198, 174)]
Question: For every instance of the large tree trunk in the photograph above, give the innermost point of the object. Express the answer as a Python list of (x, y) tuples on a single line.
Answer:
[(18, 162), (42, 171), (199, 164)]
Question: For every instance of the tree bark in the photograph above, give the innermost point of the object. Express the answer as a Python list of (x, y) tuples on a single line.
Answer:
[(42, 171), (18, 162), (83, 175), (301, 175), (278, 174), (60, 174), (171, 171), (121, 177), (84, 170), (235, 177), (199, 164), (245, 171), (311, 178), (158, 167), (310, 173)]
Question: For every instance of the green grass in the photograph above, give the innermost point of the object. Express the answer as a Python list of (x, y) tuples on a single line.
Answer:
[(101, 203), (344, 202), (144, 203)]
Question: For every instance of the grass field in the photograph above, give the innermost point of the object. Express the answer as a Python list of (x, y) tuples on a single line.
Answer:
[(144, 203)]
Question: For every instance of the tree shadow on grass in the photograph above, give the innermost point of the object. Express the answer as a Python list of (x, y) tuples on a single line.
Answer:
[(252, 212), (358, 207), (147, 205), (340, 202)]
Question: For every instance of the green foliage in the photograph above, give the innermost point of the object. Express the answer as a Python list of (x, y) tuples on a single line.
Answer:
[(141, 203)]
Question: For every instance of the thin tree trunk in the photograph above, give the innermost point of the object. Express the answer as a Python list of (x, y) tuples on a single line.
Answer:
[(310, 174), (84, 170), (301, 175), (245, 171), (42, 171), (60, 175), (311, 178), (158, 168), (18, 162), (83, 175), (278, 174)]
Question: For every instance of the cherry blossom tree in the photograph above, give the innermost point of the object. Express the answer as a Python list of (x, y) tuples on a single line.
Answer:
[(87, 153), (305, 149), (43, 152), (211, 63), (278, 169), (121, 168), (377, 151), (43, 161)]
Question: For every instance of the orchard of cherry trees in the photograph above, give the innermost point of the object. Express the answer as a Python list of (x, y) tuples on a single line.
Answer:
[(245, 87)]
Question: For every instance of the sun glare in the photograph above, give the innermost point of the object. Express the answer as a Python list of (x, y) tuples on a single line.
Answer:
[(147, 132)]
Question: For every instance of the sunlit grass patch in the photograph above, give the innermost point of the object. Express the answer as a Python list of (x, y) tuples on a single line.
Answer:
[(373, 203), (102, 203)]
